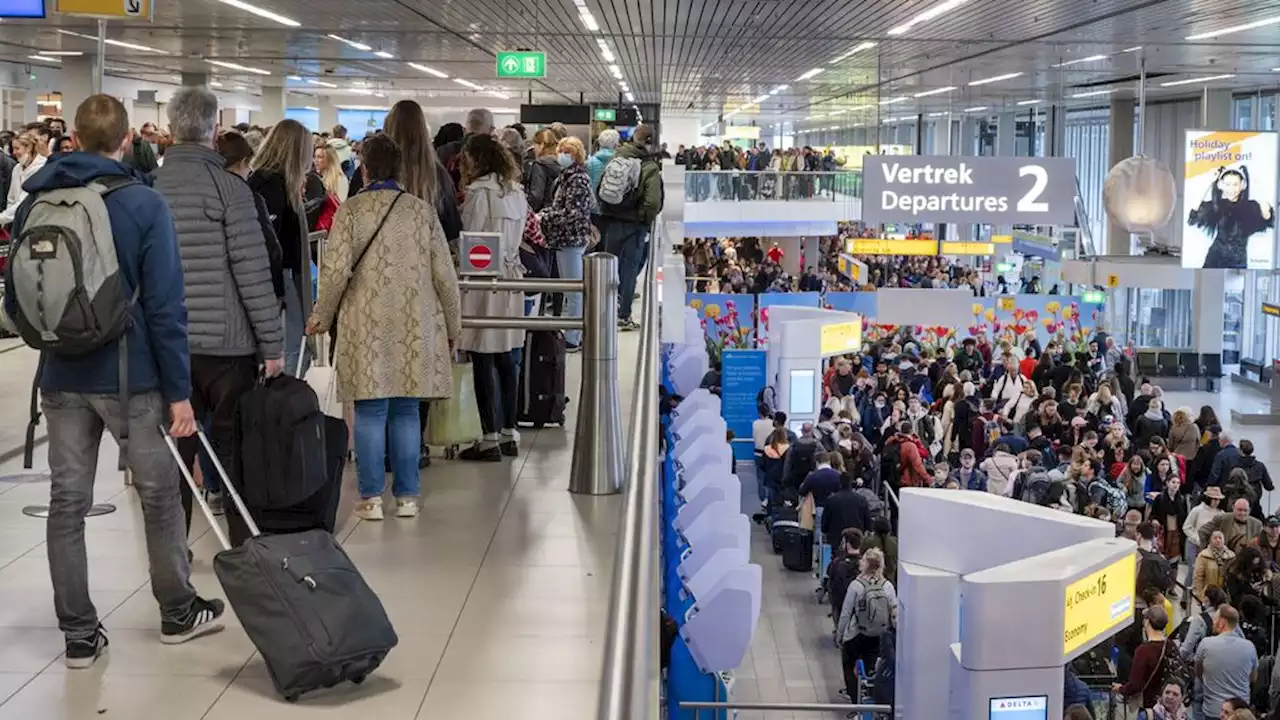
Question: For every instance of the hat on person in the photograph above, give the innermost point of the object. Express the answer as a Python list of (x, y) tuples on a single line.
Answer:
[(1273, 521), (967, 453), (1214, 492)]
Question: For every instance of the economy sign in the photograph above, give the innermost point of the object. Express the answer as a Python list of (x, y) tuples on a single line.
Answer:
[(985, 190), (1099, 602)]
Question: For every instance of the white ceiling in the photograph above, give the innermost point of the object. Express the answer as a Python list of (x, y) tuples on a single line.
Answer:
[(706, 57)]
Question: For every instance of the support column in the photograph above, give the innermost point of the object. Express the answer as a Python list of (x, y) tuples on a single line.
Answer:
[(1215, 109), (812, 252), (273, 105), (1120, 139), (195, 79), (1006, 134), (76, 84), (1208, 297), (968, 129), (328, 113), (1055, 131)]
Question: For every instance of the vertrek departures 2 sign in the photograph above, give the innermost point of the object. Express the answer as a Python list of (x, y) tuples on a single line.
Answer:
[(991, 190)]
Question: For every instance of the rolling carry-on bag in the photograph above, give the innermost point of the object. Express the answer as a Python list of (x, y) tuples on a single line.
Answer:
[(797, 548), (542, 399), (304, 605)]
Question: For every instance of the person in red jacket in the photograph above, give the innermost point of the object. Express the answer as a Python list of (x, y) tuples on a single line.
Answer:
[(911, 454), (1149, 659)]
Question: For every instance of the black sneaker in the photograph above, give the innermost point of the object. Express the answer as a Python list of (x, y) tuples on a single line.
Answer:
[(424, 457), (509, 448), (201, 619), (83, 653), (476, 454)]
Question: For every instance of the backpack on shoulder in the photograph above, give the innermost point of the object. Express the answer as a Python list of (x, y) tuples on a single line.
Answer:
[(65, 276), (872, 613), (619, 184)]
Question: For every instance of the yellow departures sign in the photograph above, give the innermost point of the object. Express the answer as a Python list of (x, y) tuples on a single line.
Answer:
[(136, 9), (1099, 602), (841, 338)]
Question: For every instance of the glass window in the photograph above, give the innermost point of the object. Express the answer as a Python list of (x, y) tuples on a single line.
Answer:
[(1233, 320), (309, 117), (1242, 113), (1256, 347), (359, 122), (1267, 114), (1160, 318)]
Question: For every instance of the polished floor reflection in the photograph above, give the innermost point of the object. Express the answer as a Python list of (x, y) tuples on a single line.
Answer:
[(499, 592)]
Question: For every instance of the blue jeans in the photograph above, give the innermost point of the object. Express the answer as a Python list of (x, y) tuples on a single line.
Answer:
[(569, 261), (373, 418), (294, 324), (626, 240)]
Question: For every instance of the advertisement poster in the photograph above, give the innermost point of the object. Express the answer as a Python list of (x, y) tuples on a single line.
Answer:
[(742, 378), (728, 321), (1228, 192)]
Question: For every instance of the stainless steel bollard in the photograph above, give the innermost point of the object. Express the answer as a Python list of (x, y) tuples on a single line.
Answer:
[(597, 448)]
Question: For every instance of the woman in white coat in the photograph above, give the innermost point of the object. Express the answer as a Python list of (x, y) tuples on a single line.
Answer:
[(495, 203), (29, 161)]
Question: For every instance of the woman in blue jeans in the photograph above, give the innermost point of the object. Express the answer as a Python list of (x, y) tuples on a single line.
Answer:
[(389, 280), (495, 203), (566, 224)]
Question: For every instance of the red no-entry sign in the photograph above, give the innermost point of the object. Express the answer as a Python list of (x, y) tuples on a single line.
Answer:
[(480, 257)]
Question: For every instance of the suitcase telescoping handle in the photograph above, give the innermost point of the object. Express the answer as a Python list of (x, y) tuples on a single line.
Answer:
[(199, 496), (319, 355)]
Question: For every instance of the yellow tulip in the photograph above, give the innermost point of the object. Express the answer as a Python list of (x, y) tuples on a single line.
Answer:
[(977, 309), (712, 311), (991, 315), (695, 303)]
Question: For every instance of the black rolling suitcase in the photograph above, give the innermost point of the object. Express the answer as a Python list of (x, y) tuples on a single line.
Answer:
[(542, 399), (302, 602), (797, 548)]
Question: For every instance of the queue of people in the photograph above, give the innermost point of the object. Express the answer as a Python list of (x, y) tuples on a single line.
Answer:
[(214, 246), (768, 175)]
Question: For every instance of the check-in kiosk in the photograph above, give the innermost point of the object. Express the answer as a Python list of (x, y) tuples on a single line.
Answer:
[(799, 339), (996, 596)]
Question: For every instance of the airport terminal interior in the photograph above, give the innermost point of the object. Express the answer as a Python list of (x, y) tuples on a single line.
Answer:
[(711, 359)]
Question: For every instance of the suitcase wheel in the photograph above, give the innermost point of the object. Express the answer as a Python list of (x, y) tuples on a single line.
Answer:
[(358, 679)]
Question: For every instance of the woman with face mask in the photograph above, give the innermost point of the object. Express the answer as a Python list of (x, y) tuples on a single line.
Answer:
[(1228, 217), (566, 224)]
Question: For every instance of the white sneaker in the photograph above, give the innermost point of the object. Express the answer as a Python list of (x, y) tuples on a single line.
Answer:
[(369, 509), (406, 508)]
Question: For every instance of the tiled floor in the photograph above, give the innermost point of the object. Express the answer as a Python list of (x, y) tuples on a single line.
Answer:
[(499, 592)]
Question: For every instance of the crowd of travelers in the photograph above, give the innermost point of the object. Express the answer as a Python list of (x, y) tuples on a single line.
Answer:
[(1077, 434), (213, 234), (763, 174)]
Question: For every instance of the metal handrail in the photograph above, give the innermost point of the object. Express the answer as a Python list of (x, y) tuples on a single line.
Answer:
[(546, 285), (787, 707), (630, 655), (546, 322)]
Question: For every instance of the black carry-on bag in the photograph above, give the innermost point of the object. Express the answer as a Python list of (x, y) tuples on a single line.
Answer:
[(542, 398), (302, 602)]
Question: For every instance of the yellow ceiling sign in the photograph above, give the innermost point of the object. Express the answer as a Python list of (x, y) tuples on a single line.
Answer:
[(136, 9), (968, 248), (1002, 239), (841, 338), (884, 246)]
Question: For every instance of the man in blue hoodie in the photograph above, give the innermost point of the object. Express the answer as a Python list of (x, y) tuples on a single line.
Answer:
[(80, 396)]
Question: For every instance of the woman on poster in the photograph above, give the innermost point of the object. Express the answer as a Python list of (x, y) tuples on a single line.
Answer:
[(1228, 217)]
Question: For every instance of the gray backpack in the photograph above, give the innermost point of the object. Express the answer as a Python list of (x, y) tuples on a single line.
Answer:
[(65, 277), (619, 182), (872, 614)]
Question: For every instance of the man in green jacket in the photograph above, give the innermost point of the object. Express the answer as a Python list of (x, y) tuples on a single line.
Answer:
[(625, 226)]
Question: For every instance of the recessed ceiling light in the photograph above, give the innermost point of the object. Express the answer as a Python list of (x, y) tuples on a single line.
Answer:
[(320, 83), (116, 43), (778, 89), (295, 78), (260, 12), (997, 78), (237, 66), (616, 72), (357, 45), (588, 20), (759, 99), (980, 108), (810, 74), (926, 16), (937, 114), (1234, 29), (605, 52), (1028, 102), (894, 101), (629, 97), (62, 53), (1094, 93), (43, 58), (467, 83), (429, 70), (1192, 81), (938, 91), (385, 55), (1091, 58), (858, 49), (1135, 48), (214, 83)]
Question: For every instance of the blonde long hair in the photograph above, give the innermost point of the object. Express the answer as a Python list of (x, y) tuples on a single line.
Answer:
[(287, 150), (332, 175), (407, 126)]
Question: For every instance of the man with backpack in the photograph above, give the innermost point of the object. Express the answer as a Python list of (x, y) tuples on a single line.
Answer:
[(123, 368), (233, 321), (631, 196), (869, 611)]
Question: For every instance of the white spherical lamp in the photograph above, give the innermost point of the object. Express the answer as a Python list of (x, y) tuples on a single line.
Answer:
[(1140, 193)]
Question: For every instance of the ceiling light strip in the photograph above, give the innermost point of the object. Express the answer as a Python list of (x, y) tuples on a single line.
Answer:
[(997, 78), (1091, 58), (926, 16), (851, 53), (429, 70), (261, 12), (1192, 81), (357, 45), (938, 91), (1235, 29), (237, 66)]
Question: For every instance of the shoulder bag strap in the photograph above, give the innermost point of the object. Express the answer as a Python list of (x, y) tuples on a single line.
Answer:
[(1159, 666)]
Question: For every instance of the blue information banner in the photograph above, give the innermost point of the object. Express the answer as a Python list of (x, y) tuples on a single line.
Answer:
[(742, 377)]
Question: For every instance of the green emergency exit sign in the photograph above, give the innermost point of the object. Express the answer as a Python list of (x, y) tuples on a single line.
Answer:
[(522, 65), (606, 115), (1094, 296)]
